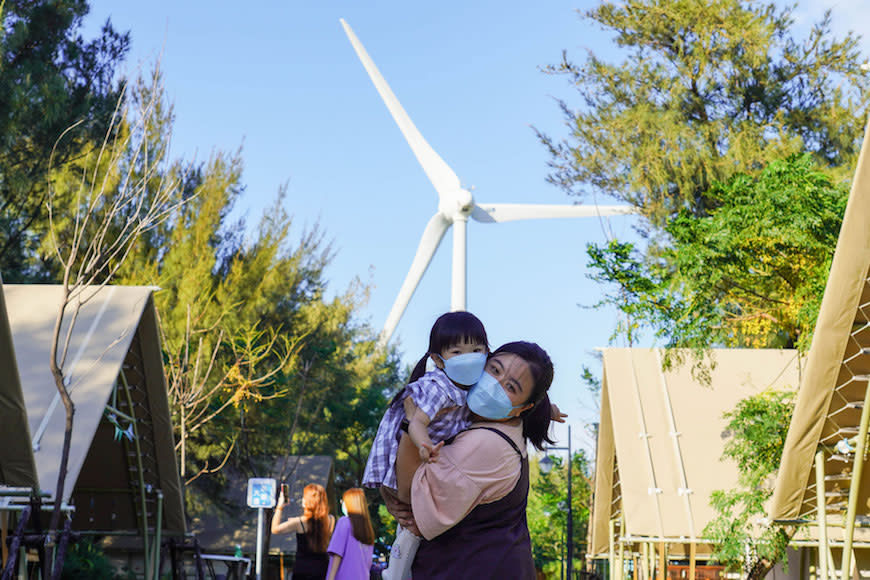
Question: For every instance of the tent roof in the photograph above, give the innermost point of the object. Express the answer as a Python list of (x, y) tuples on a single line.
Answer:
[(662, 433), (17, 468), (111, 319), (828, 405)]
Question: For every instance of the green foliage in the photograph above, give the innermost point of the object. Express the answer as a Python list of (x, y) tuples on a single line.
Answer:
[(757, 428), (51, 80), (750, 273), (704, 90), (547, 512), (85, 561)]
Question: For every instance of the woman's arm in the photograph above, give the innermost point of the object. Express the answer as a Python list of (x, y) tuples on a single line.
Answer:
[(334, 563), (290, 525)]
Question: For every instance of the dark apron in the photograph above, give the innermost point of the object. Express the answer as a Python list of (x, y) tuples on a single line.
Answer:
[(491, 542)]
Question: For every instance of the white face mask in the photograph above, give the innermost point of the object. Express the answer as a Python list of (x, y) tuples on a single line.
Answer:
[(343, 508), (465, 369), (488, 399)]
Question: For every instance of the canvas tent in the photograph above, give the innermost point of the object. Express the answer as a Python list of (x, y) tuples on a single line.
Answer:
[(660, 441), (122, 473), (17, 468), (823, 486)]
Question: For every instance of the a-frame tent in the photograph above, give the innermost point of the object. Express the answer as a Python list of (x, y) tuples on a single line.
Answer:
[(122, 474), (823, 485), (658, 457), (17, 468)]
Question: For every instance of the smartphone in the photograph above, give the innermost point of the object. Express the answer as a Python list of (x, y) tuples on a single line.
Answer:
[(285, 489)]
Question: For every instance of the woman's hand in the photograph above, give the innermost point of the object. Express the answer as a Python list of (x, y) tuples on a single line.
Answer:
[(556, 414), (281, 501), (399, 510)]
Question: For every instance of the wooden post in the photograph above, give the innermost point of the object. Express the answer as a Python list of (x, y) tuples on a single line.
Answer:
[(663, 561), (692, 554)]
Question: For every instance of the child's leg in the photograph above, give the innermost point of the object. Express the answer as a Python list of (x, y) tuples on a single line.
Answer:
[(401, 555)]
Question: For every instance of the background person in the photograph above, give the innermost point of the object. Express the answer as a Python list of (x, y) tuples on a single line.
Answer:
[(313, 530), (352, 544)]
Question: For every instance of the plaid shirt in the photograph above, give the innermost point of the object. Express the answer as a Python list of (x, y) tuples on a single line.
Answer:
[(435, 395)]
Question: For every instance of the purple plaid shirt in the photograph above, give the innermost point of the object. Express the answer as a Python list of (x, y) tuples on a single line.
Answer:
[(435, 395)]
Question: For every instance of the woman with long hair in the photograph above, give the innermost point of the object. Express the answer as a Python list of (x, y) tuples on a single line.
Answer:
[(313, 530), (352, 545)]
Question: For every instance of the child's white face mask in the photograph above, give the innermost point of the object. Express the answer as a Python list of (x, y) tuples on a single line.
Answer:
[(465, 369)]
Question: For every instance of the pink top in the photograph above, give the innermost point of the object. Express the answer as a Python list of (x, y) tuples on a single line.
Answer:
[(478, 467)]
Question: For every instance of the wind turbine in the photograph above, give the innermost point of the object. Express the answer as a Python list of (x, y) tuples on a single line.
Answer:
[(455, 204)]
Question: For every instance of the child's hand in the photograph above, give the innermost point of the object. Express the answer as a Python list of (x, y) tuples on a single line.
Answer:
[(429, 453), (557, 415)]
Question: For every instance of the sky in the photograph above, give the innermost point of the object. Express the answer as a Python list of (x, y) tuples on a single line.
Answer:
[(281, 81)]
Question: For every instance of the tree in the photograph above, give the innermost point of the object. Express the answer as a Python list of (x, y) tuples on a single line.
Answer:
[(742, 539), (750, 273), (704, 90), (107, 208), (51, 81), (547, 512)]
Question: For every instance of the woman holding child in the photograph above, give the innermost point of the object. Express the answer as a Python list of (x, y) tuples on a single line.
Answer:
[(469, 504)]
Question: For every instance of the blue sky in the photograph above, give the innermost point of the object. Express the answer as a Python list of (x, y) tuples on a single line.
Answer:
[(281, 80)]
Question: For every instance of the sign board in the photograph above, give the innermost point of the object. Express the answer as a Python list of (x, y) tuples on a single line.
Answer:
[(261, 492)]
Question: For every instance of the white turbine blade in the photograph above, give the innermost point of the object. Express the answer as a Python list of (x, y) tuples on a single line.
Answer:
[(432, 235), (439, 173), (505, 212)]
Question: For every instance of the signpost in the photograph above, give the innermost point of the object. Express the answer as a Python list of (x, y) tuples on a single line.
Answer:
[(261, 495)]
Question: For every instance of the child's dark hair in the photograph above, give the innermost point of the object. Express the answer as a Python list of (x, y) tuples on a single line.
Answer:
[(536, 421), (451, 328)]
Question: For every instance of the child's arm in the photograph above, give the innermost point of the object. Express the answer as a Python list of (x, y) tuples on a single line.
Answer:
[(418, 429)]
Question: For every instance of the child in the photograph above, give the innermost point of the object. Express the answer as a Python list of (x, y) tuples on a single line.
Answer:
[(433, 406)]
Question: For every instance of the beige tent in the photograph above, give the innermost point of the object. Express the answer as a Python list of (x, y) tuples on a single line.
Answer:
[(17, 468), (660, 441), (828, 430), (122, 475)]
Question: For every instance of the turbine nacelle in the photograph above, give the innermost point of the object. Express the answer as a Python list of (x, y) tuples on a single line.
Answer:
[(456, 204)]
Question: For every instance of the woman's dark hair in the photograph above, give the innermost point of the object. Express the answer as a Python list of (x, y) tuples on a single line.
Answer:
[(536, 421), (451, 328)]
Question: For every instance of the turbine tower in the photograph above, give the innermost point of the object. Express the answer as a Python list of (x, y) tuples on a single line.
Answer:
[(455, 204)]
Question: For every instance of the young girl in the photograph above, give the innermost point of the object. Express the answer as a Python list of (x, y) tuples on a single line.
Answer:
[(433, 405), (352, 544)]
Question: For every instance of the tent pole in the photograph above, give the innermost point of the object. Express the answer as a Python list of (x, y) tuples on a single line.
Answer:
[(620, 558), (854, 485), (612, 548), (141, 475), (821, 515), (663, 562), (693, 548), (157, 533), (644, 561)]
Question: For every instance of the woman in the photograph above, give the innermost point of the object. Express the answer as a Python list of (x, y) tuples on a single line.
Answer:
[(470, 504), (313, 529), (352, 544)]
